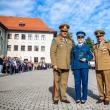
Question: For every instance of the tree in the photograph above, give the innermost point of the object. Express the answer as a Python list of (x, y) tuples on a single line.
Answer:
[(70, 37), (107, 40), (89, 42)]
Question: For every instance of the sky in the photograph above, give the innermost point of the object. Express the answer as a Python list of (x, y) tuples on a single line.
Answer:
[(81, 15)]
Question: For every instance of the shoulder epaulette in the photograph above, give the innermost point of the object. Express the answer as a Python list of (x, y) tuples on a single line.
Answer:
[(95, 45), (106, 42)]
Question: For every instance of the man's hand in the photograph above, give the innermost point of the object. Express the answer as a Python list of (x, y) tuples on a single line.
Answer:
[(83, 59), (55, 67)]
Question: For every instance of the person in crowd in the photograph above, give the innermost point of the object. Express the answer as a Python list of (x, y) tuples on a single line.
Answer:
[(1, 64)]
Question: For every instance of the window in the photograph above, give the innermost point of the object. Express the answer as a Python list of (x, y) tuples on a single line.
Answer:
[(9, 36), (8, 47), (22, 48), (21, 24), (43, 37), (23, 36), (15, 47), (42, 48), (16, 36), (29, 36), (0, 32), (35, 59), (25, 60), (29, 48), (36, 48), (36, 37), (42, 59)]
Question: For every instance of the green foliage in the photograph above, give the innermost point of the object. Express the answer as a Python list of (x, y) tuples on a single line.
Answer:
[(107, 40), (70, 37), (89, 42)]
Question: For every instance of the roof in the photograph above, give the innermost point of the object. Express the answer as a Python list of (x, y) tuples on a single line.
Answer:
[(3, 26), (24, 24)]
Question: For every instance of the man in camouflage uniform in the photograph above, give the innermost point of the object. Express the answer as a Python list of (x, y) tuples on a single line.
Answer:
[(60, 58), (102, 59)]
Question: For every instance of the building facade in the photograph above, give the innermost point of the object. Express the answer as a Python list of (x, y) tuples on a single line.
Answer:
[(28, 39), (3, 40)]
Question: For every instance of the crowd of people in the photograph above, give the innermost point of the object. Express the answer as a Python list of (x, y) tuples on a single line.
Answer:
[(9, 65)]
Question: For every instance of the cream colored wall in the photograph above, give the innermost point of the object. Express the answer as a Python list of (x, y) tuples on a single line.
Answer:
[(3, 45), (31, 54)]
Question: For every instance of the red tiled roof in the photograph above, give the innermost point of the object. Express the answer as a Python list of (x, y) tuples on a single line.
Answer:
[(24, 24)]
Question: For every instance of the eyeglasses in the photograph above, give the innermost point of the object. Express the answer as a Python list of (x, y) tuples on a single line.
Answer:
[(63, 31), (80, 36), (99, 36)]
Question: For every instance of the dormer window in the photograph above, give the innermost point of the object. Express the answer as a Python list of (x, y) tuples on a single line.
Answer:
[(21, 24)]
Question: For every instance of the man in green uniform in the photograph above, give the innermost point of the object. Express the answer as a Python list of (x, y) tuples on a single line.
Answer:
[(60, 59), (102, 59)]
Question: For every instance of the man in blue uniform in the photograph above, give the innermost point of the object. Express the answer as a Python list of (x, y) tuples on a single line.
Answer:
[(81, 54)]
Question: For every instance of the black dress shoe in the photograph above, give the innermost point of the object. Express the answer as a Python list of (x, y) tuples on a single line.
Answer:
[(106, 102), (65, 101), (55, 102), (77, 101), (99, 101), (83, 101)]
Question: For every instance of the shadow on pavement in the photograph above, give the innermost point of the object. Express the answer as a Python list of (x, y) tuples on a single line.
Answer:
[(71, 93), (92, 95)]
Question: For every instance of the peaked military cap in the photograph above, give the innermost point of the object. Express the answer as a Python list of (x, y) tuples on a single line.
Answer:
[(64, 27), (99, 33), (80, 34)]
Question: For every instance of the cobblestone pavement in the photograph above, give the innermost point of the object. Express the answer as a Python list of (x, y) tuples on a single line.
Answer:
[(33, 91)]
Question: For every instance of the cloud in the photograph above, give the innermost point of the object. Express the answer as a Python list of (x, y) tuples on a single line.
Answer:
[(86, 15), (16, 7), (83, 15), (74, 12)]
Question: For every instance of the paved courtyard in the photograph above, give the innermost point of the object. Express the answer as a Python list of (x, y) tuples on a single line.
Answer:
[(33, 91)]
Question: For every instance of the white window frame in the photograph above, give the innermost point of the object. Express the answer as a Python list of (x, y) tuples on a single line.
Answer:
[(29, 36), (0, 32), (9, 36), (16, 36), (14, 48), (37, 48), (9, 49), (22, 36), (23, 48), (43, 37), (36, 37), (42, 49)]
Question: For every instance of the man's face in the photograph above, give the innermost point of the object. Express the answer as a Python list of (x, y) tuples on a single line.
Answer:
[(100, 38), (64, 33), (80, 40)]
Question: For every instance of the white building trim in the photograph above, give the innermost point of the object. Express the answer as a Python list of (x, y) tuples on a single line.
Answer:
[(32, 39)]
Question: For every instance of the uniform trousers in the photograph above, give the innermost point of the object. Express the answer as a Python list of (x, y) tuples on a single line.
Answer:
[(81, 81), (60, 84), (103, 83)]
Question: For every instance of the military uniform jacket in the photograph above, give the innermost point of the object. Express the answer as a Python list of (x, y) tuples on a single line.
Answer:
[(60, 52), (102, 56), (78, 53)]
